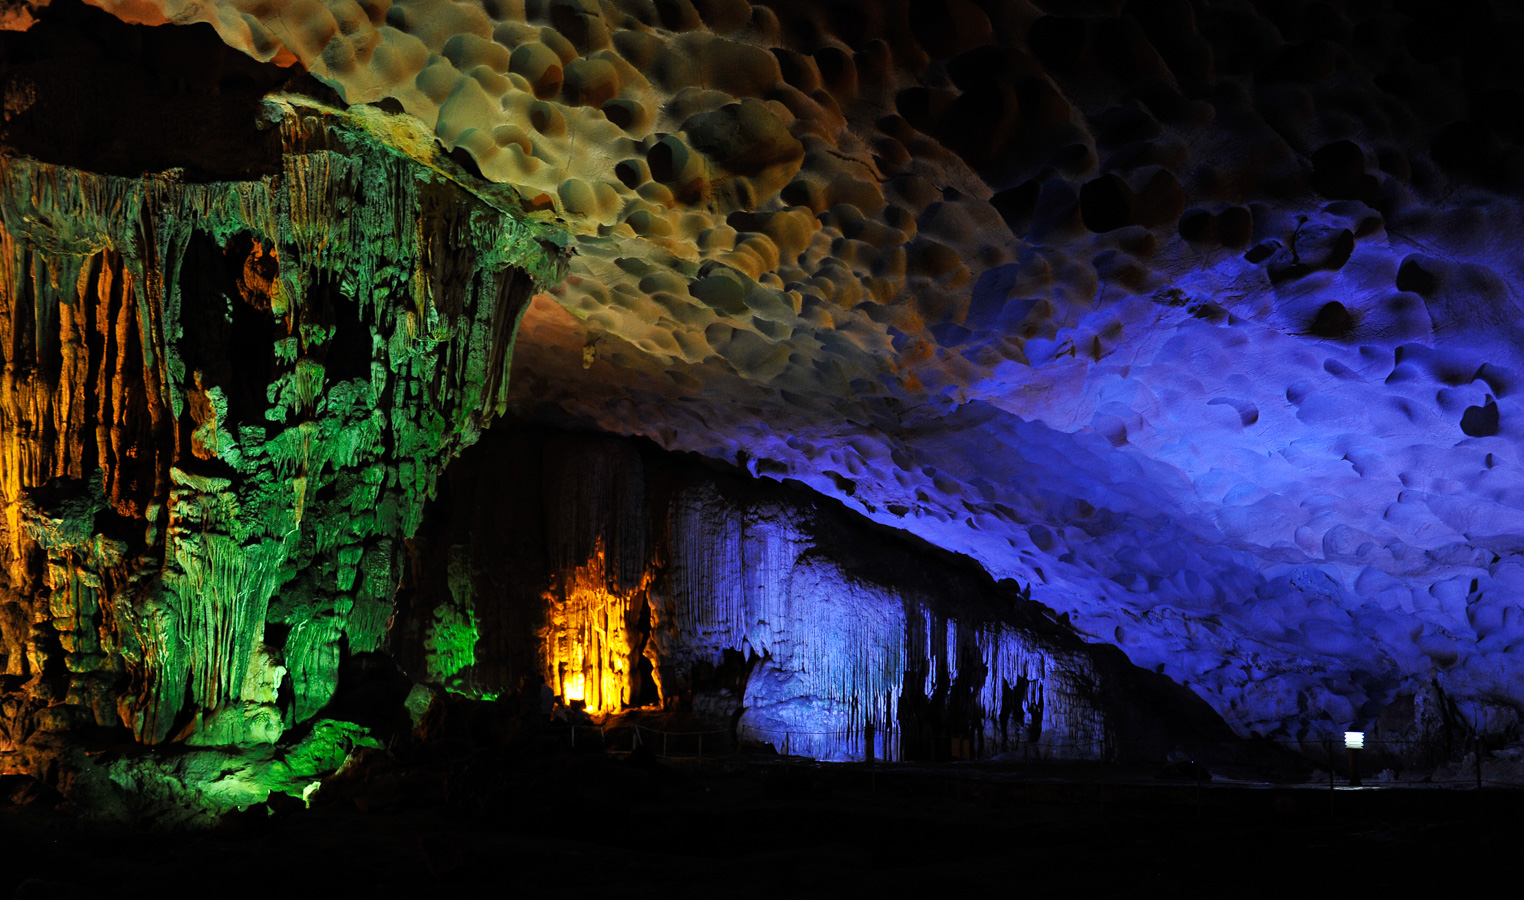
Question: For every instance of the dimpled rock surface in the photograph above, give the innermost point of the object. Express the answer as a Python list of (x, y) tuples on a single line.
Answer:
[(1201, 316)]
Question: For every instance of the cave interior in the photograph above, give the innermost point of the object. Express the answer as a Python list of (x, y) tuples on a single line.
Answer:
[(1122, 384)]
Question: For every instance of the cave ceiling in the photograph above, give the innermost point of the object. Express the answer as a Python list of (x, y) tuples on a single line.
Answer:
[(1201, 317)]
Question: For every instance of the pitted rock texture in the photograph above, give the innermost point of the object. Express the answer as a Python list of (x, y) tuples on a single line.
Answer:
[(1201, 316)]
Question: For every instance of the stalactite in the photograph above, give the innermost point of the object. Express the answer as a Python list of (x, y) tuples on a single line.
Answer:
[(223, 403), (591, 640)]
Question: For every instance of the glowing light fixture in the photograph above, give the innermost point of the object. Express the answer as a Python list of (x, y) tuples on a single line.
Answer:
[(1354, 741)]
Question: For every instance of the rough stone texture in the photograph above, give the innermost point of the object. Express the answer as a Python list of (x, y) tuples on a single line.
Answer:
[(224, 405)]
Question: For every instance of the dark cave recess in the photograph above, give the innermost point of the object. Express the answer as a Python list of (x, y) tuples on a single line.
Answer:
[(84, 89)]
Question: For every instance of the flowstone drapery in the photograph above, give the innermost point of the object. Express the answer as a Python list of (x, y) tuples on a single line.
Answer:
[(223, 406)]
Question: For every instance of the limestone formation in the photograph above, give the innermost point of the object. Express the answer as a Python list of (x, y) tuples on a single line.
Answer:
[(224, 407), (628, 578)]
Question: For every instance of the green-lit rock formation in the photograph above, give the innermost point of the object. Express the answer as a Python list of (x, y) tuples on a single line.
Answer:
[(224, 404)]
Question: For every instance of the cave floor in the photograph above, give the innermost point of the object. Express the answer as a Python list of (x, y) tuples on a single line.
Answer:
[(597, 825)]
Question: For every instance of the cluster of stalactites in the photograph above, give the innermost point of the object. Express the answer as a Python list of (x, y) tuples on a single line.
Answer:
[(843, 657), (855, 662), (832, 657), (592, 639), (262, 380)]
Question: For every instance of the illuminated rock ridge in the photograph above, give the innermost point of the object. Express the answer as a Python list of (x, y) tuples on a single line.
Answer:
[(1200, 318)]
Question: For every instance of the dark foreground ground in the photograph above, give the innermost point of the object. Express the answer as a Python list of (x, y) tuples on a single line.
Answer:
[(613, 826)]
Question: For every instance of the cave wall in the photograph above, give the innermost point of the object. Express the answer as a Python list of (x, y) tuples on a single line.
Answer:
[(224, 404), (629, 577)]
